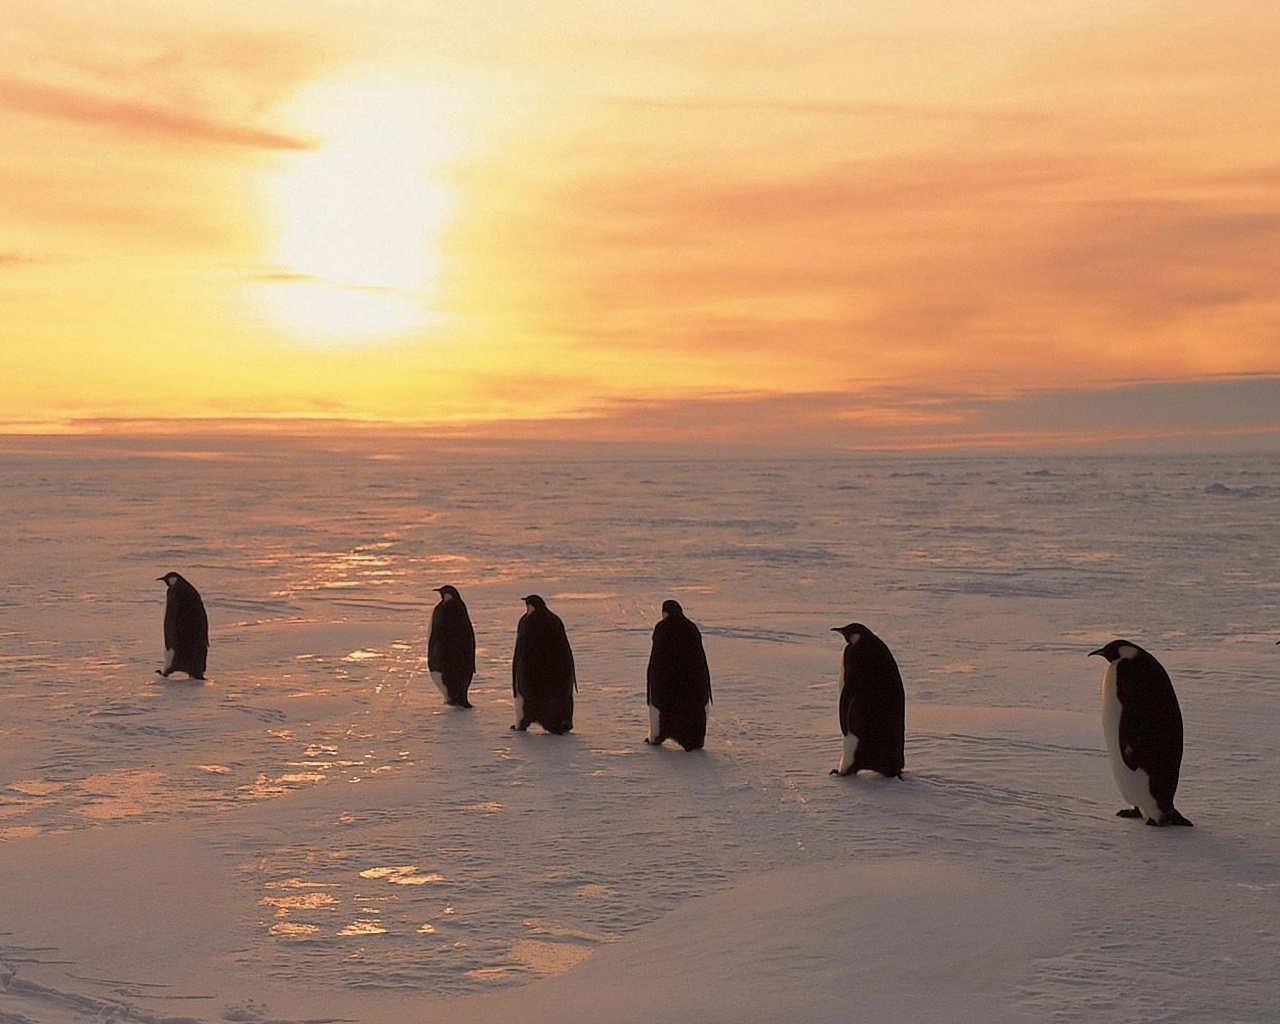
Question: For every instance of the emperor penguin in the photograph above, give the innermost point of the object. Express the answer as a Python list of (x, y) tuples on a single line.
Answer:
[(1143, 727), (186, 628), (543, 678), (872, 705), (451, 648), (678, 687)]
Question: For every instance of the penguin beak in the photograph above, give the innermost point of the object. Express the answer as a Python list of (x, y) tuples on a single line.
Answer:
[(1100, 650)]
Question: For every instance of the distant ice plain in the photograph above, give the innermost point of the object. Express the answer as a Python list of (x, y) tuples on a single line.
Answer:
[(312, 833)]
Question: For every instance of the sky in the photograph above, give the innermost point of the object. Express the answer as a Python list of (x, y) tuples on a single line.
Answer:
[(879, 224)]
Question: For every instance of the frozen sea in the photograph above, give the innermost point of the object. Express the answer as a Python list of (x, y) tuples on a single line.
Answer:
[(311, 835)]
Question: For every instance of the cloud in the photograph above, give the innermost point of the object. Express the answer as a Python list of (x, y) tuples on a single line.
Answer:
[(836, 109), (20, 259), (1206, 413), (82, 107), (1210, 414)]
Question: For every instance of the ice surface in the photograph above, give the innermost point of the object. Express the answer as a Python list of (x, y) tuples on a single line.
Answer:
[(312, 835)]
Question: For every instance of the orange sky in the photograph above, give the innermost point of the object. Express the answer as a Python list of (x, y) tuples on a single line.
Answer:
[(861, 224)]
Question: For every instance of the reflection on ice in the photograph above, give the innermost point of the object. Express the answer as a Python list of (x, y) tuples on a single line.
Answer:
[(361, 655), (291, 930), (549, 957), (405, 875), (363, 927), (301, 901), (566, 931)]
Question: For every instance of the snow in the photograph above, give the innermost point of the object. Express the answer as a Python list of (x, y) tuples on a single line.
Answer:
[(311, 835)]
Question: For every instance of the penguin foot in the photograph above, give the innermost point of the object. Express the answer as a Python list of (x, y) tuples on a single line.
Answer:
[(1129, 812), (522, 727), (1170, 818)]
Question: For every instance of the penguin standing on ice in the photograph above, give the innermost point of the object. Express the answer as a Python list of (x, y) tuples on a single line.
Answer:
[(1143, 727), (542, 674), (186, 628), (679, 681), (451, 648), (872, 705)]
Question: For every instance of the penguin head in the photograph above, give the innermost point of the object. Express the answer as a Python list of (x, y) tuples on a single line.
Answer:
[(535, 602), (170, 578), (852, 633), (448, 593), (1118, 649), (671, 608)]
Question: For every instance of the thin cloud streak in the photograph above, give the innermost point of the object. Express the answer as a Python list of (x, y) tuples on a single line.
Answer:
[(80, 107), (843, 109)]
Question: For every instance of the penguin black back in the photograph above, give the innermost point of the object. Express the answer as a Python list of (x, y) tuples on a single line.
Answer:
[(451, 647), (186, 628), (543, 677), (678, 681), (872, 704), (1142, 725)]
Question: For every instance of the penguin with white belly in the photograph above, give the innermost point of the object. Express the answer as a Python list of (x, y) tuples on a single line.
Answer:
[(1143, 727)]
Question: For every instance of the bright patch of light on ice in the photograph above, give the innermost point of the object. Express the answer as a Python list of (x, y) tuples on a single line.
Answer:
[(566, 931), (403, 875), (549, 957), (301, 901), (361, 927), (34, 787), (289, 930), (361, 655)]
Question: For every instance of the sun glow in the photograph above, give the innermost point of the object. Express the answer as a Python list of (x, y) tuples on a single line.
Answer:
[(357, 219)]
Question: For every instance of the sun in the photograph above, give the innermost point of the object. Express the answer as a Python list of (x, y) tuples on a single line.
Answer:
[(356, 221)]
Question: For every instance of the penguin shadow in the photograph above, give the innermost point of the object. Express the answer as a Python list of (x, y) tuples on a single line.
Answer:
[(707, 769)]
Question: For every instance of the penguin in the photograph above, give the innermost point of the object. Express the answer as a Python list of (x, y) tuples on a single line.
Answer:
[(872, 705), (543, 679), (1143, 727), (186, 628), (451, 648), (678, 687)]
